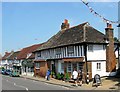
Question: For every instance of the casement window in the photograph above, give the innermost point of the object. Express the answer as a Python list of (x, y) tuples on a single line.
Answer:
[(80, 66), (37, 65), (62, 66), (90, 48), (69, 68), (104, 47), (70, 50), (39, 54), (58, 51), (98, 66)]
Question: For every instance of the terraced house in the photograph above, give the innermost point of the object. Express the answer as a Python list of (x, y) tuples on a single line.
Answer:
[(81, 47)]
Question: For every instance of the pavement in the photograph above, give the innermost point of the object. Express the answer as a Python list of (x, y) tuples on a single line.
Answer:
[(108, 83)]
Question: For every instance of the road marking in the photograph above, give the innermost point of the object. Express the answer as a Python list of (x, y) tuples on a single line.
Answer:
[(14, 84)]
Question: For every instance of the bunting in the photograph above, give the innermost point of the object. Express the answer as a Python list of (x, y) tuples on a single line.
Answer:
[(98, 15)]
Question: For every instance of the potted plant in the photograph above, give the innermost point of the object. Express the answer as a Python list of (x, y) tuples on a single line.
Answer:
[(58, 76)]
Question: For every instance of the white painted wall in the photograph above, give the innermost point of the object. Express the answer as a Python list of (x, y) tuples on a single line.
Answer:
[(97, 54), (101, 72)]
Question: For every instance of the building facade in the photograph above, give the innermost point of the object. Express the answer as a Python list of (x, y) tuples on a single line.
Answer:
[(81, 47)]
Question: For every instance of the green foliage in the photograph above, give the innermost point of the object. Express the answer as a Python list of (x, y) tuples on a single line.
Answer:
[(52, 73), (58, 76), (67, 77)]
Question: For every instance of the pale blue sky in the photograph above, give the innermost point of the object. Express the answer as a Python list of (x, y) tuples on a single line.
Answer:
[(25, 24)]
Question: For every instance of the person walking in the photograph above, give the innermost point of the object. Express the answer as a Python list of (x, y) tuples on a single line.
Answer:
[(80, 76), (75, 76), (48, 74)]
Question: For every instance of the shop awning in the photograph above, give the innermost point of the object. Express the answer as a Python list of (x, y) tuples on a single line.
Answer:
[(80, 59)]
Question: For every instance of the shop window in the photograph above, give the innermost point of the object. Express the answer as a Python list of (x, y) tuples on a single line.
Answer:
[(80, 66), (37, 65), (62, 66), (69, 68)]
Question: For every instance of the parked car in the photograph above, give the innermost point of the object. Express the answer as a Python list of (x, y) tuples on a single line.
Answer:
[(3, 71), (6, 72)]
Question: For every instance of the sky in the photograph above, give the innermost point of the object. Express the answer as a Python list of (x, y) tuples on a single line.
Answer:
[(28, 23)]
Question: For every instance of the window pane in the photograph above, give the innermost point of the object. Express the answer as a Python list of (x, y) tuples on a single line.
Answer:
[(70, 49), (69, 67), (90, 47), (62, 66), (37, 65), (58, 51)]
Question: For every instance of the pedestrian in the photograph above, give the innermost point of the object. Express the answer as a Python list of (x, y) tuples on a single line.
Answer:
[(80, 76), (48, 74), (74, 76)]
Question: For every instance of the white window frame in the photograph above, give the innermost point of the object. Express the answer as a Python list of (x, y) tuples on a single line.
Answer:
[(39, 54), (98, 66), (58, 51), (80, 66), (69, 65), (70, 50), (62, 66), (37, 65)]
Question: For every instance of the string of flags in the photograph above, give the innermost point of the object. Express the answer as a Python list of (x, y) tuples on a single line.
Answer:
[(97, 14)]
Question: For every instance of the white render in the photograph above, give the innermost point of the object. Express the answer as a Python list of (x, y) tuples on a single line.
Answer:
[(102, 71), (98, 53)]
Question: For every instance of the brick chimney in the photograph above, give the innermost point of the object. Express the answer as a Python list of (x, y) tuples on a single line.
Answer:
[(110, 55), (65, 25)]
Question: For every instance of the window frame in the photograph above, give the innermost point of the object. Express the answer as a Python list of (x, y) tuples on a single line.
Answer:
[(90, 49), (70, 50), (62, 66), (58, 51), (39, 54), (37, 64), (69, 65), (98, 66)]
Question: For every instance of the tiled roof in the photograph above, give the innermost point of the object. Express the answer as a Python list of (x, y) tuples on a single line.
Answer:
[(14, 55), (6, 56), (28, 51), (74, 35)]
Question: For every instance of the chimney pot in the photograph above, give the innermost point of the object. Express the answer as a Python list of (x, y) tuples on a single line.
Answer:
[(109, 25), (66, 21), (65, 25)]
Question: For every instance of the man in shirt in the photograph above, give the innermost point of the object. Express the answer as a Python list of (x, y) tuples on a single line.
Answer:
[(75, 76)]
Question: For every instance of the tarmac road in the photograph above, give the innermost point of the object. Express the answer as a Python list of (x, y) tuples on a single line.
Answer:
[(18, 83)]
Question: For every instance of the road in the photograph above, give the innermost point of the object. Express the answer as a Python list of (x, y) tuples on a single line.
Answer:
[(18, 83)]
